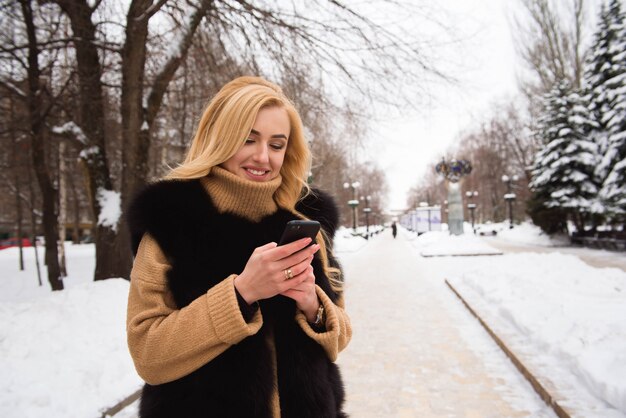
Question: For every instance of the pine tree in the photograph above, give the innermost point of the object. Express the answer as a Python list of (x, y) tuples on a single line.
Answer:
[(605, 79), (563, 171)]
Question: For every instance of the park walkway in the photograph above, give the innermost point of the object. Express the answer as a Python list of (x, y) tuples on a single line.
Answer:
[(593, 257), (416, 352)]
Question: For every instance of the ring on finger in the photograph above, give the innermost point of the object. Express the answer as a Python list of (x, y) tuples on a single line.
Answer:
[(288, 274)]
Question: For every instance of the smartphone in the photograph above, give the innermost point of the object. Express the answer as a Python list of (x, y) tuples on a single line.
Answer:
[(295, 230)]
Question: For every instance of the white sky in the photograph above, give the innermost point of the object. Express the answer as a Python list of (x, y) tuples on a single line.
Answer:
[(486, 62), (488, 66)]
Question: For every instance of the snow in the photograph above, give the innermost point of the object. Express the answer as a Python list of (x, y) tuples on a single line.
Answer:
[(64, 353), (110, 203), (568, 314), (530, 234), (347, 242), (87, 152), (574, 313), (71, 128), (439, 243)]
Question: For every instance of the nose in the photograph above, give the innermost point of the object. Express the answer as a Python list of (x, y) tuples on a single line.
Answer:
[(261, 153)]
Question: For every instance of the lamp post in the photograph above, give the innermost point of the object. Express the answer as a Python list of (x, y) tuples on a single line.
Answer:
[(354, 202), (510, 196), (367, 211), (471, 206)]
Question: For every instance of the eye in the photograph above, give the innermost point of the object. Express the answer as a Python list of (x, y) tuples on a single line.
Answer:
[(249, 141), (277, 146)]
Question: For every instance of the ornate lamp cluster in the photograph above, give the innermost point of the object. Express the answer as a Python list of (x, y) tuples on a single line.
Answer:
[(454, 170)]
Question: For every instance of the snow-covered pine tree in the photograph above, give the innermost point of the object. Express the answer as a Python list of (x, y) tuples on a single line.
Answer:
[(605, 79), (563, 171)]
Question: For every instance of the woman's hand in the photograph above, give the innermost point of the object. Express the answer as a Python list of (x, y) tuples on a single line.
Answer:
[(266, 272), (305, 296)]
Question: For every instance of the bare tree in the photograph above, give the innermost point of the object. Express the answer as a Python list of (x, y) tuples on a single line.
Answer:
[(500, 145), (549, 39), (36, 116), (333, 59)]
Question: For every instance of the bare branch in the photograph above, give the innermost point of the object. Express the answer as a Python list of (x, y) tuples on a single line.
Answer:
[(13, 89)]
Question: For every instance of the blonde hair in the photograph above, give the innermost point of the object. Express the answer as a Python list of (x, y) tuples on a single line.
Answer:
[(223, 129)]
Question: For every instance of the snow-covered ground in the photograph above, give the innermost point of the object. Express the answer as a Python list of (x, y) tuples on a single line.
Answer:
[(564, 315), (528, 233), (438, 244), (64, 354)]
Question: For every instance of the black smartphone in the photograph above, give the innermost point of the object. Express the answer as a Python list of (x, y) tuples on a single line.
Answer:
[(295, 230)]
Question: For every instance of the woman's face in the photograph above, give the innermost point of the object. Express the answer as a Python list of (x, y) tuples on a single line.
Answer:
[(262, 155)]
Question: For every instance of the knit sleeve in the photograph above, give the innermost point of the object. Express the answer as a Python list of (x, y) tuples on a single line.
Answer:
[(338, 331), (167, 343)]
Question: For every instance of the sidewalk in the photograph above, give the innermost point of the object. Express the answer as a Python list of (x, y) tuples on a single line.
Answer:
[(415, 351), (593, 257)]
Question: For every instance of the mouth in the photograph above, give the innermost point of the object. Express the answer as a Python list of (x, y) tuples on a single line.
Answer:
[(256, 173)]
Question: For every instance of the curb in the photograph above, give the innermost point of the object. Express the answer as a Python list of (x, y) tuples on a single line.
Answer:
[(537, 386)]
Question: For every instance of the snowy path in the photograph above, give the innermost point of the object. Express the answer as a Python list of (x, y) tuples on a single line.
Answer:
[(595, 258), (416, 352)]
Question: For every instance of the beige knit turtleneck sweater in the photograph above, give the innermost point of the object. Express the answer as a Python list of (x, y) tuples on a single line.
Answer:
[(167, 343)]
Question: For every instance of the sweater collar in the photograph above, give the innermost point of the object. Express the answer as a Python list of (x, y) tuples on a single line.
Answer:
[(231, 193)]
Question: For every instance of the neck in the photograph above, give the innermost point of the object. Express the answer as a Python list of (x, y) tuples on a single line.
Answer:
[(250, 199)]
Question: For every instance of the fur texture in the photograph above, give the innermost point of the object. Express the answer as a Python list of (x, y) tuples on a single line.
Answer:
[(204, 247)]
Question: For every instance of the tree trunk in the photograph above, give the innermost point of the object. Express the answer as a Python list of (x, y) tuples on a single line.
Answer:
[(76, 231), (132, 112), (16, 179), (33, 223), (139, 115), (108, 262), (62, 208), (49, 195)]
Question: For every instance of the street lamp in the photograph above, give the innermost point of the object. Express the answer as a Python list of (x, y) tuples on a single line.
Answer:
[(510, 196), (354, 202), (471, 206), (367, 211)]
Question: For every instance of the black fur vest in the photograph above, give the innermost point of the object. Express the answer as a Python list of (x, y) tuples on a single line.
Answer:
[(204, 247)]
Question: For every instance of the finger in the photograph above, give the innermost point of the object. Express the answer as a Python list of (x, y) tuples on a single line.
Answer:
[(301, 292), (286, 250), (299, 257), (293, 282), (266, 247), (306, 278), (293, 294), (298, 269), (304, 287)]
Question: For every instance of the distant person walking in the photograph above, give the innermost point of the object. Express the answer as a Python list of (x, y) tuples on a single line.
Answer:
[(394, 230)]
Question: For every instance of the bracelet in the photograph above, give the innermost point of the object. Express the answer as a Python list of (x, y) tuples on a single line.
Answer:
[(319, 319)]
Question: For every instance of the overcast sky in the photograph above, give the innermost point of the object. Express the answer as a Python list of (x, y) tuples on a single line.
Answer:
[(486, 65)]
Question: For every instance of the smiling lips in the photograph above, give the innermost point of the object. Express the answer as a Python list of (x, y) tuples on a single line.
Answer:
[(256, 173)]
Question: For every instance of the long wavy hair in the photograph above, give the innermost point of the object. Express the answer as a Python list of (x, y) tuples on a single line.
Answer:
[(223, 129)]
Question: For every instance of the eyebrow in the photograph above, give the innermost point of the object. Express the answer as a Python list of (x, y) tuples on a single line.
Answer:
[(252, 131)]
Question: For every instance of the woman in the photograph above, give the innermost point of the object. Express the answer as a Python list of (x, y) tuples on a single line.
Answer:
[(221, 321)]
